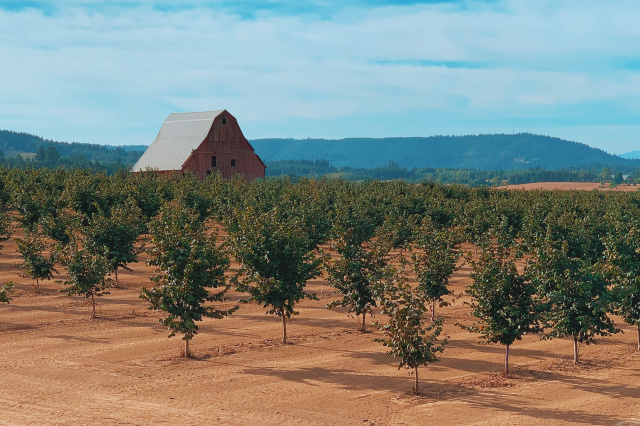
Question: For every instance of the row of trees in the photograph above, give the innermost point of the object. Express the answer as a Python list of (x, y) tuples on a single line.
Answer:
[(577, 251), (472, 177)]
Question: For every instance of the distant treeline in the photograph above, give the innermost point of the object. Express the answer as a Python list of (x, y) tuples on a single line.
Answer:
[(14, 143), (323, 168), (50, 158), (25, 151), (520, 151)]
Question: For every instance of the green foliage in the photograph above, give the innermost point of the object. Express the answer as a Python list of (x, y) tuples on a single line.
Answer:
[(58, 227), (503, 300), (358, 270), (574, 291), (306, 168), (623, 256), (405, 333), (576, 240), (149, 191), (87, 194), (623, 262), (398, 231), (5, 292), (191, 193), (189, 263), (86, 272), (61, 154), (357, 215), (114, 235), (357, 274), (277, 258), (5, 219), (435, 261), (30, 199), (35, 265)]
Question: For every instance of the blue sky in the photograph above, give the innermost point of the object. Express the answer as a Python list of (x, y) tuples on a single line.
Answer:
[(111, 71)]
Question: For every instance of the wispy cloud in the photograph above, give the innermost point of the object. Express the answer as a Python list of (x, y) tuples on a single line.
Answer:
[(111, 71)]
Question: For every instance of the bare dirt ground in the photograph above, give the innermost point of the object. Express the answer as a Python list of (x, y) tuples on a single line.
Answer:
[(57, 366), (576, 186)]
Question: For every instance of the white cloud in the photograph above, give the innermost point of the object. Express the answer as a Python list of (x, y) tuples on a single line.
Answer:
[(112, 74)]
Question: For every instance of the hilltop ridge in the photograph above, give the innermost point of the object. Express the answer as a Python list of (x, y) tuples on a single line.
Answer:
[(480, 152), (15, 143)]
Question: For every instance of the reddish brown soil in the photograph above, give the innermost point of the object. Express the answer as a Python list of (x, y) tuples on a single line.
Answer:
[(576, 186), (60, 367)]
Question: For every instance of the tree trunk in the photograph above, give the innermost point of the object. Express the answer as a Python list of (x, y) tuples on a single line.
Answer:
[(638, 337), (576, 350), (506, 361), (116, 273), (284, 328), (93, 304), (415, 386), (37, 286), (187, 353), (433, 310), (363, 316)]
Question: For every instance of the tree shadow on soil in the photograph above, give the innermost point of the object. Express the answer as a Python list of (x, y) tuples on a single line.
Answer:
[(593, 384), (298, 320), (481, 399), (477, 398), (57, 309), (526, 407), (469, 365), (498, 349), (81, 338), (346, 379)]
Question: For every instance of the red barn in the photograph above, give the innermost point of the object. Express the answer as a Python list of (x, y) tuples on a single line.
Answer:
[(203, 143)]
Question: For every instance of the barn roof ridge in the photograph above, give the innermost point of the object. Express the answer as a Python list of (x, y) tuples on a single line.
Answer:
[(181, 133)]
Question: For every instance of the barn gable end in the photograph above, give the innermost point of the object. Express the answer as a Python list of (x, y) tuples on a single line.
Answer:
[(202, 143)]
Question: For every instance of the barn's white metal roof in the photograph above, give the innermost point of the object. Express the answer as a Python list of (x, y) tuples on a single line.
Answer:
[(180, 134)]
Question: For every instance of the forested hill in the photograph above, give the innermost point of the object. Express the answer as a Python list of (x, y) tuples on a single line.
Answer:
[(482, 152), (14, 143)]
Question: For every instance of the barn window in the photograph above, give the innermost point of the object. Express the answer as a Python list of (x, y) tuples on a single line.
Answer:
[(214, 161), (233, 162), (224, 119)]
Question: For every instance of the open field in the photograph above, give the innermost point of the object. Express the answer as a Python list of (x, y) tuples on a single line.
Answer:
[(58, 366), (576, 186)]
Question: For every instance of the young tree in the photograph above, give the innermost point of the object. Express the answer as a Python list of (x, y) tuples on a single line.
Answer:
[(358, 270), (277, 258), (503, 300), (114, 235), (58, 227), (190, 263), (87, 273), (5, 291), (29, 201), (623, 261), (398, 232), (356, 274), (575, 294), (405, 333), (35, 265), (5, 225), (435, 261)]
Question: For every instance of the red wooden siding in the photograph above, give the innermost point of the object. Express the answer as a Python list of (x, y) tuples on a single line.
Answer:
[(226, 142)]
